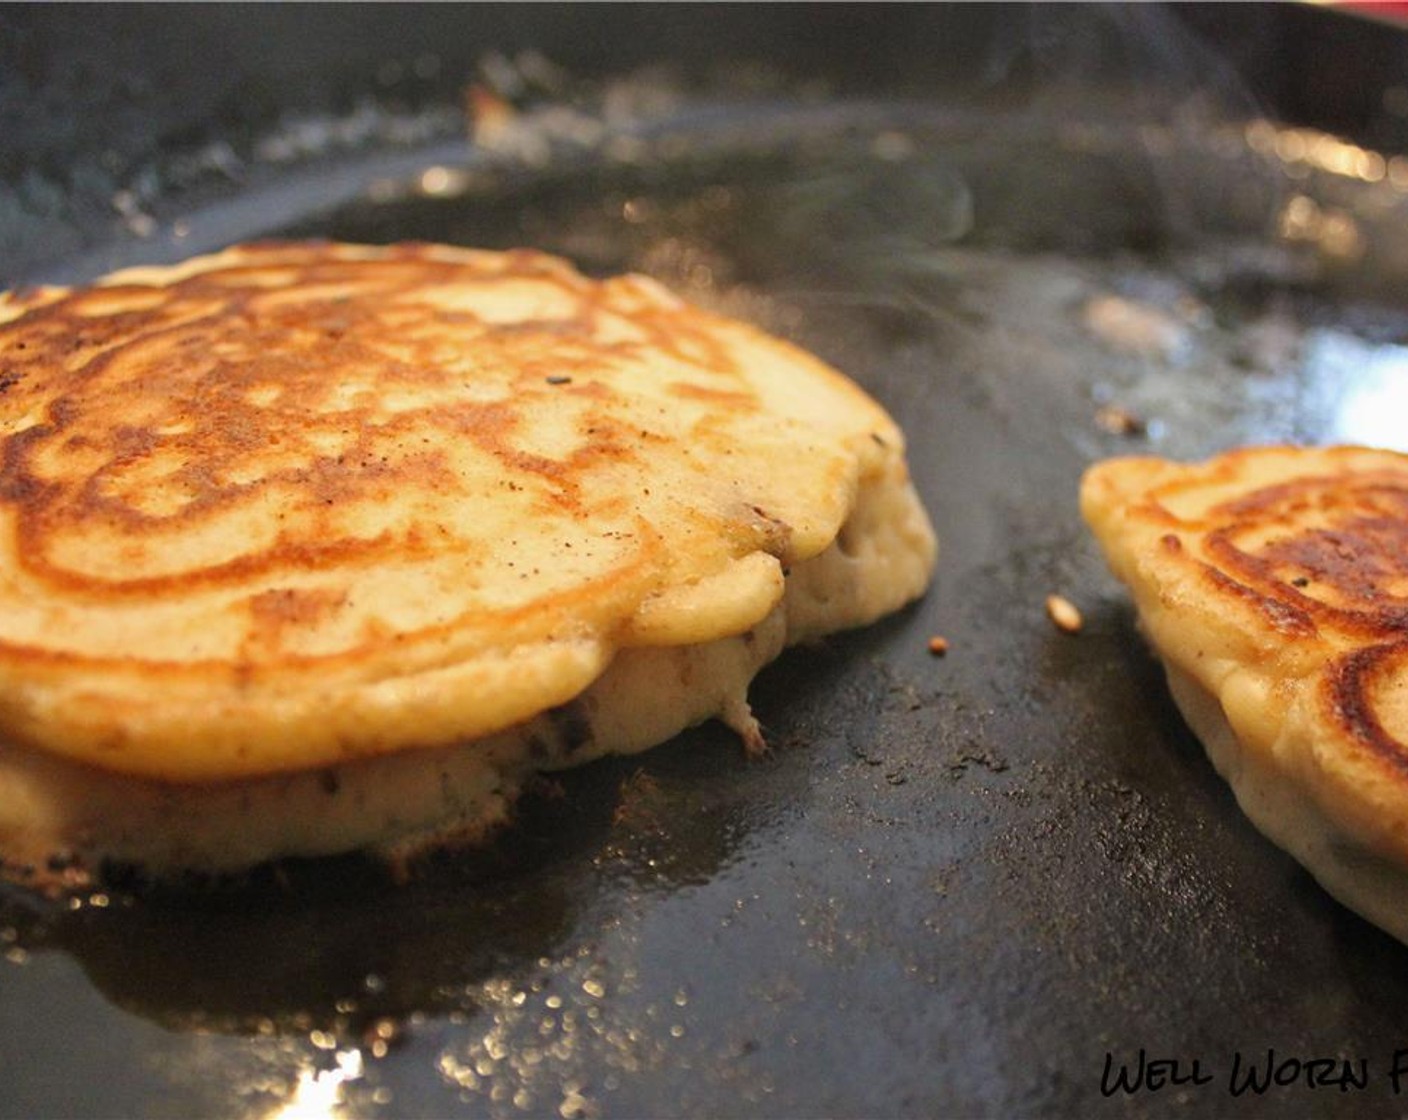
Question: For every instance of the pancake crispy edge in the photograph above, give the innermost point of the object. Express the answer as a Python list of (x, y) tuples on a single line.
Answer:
[(1273, 584), (368, 535)]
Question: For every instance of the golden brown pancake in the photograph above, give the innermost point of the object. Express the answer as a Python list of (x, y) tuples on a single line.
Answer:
[(310, 547), (1273, 583)]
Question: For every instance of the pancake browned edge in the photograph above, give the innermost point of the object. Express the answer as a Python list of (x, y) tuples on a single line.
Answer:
[(1273, 583), (309, 548)]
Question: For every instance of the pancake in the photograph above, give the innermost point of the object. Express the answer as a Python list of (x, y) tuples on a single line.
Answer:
[(1273, 583), (309, 547)]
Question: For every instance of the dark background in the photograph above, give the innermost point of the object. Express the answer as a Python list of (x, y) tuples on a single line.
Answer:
[(161, 101)]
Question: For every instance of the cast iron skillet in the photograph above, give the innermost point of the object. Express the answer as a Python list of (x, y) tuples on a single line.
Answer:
[(970, 885)]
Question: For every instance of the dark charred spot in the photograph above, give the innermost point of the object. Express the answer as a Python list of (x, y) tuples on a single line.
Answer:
[(1352, 552), (22, 489), (1289, 620), (1349, 681)]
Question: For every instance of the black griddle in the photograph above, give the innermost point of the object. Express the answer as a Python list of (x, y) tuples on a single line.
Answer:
[(965, 885)]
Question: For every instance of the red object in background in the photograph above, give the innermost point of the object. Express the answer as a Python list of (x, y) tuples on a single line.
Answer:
[(1391, 11)]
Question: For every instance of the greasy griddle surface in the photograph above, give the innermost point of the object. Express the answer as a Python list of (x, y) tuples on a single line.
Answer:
[(956, 883)]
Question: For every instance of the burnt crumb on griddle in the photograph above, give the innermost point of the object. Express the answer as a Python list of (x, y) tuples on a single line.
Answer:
[(1064, 614), (861, 753), (973, 755), (635, 807), (1120, 421), (913, 701)]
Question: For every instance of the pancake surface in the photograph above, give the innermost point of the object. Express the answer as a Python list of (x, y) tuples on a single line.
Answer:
[(1273, 583), (296, 506)]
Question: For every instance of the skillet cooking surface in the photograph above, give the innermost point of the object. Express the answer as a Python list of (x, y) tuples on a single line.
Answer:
[(956, 883)]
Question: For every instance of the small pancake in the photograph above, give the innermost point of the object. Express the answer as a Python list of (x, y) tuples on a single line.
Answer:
[(308, 509), (1273, 583)]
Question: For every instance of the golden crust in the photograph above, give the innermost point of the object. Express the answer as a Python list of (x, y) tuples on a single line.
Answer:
[(64, 824), (293, 504), (1275, 580)]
